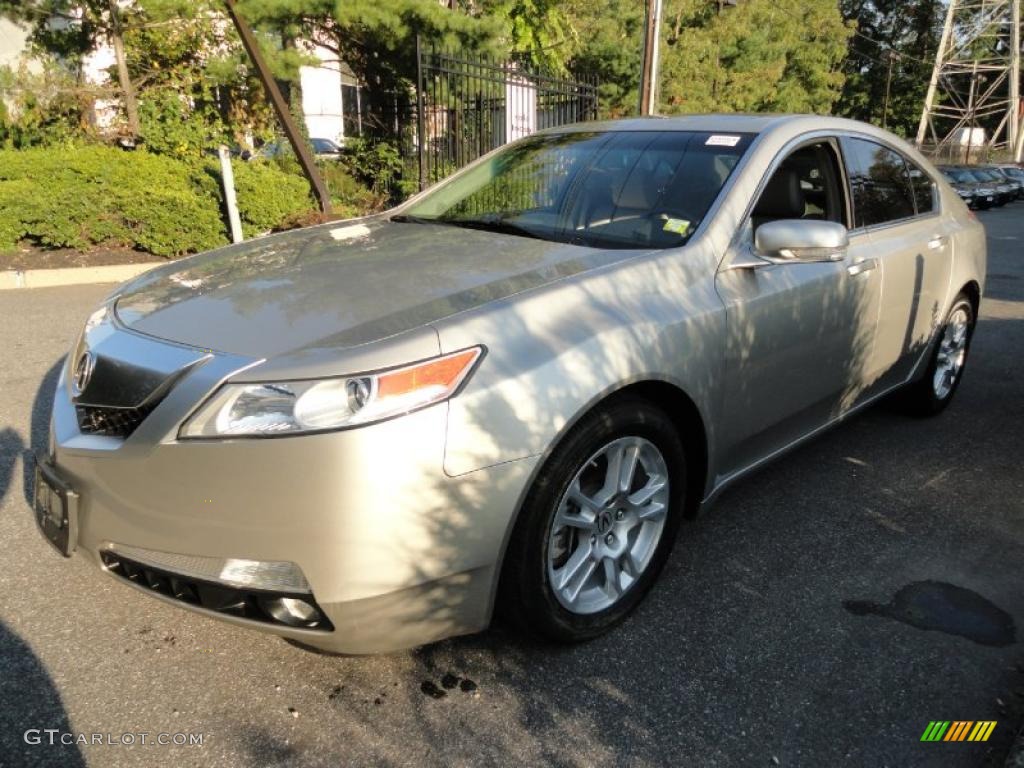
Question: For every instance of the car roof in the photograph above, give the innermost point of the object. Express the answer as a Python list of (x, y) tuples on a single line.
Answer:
[(724, 122), (713, 122)]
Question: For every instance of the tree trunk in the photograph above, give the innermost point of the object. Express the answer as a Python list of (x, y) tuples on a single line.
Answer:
[(131, 104)]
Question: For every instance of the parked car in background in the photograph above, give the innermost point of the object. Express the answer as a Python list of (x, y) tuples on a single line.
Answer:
[(968, 191), (323, 149), (506, 394), (984, 194), (1005, 192), (1015, 172), (1016, 183)]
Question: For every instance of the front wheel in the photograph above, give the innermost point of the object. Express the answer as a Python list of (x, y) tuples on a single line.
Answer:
[(930, 394), (598, 524)]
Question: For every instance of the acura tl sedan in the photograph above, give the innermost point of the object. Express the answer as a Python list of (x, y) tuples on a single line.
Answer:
[(505, 395)]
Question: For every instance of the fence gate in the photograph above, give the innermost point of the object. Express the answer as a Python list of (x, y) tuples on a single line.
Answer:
[(467, 105)]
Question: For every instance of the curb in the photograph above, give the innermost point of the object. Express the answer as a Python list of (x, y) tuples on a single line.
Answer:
[(52, 278)]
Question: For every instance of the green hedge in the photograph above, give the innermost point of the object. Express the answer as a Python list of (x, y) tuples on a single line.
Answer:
[(89, 195)]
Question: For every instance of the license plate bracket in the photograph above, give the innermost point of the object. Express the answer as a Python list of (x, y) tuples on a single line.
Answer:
[(55, 505)]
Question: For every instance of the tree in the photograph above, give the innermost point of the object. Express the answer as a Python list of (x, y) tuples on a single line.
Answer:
[(610, 33), (73, 28), (762, 55), (909, 34), (538, 30), (376, 38), (40, 106)]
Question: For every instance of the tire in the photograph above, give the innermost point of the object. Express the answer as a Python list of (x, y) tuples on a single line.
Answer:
[(925, 397), (541, 550)]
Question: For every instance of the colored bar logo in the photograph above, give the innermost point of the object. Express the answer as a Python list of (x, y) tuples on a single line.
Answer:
[(958, 730)]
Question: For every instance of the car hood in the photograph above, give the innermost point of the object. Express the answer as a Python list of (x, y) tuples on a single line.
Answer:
[(341, 285)]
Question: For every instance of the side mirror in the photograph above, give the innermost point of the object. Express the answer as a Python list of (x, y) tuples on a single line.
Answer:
[(801, 240)]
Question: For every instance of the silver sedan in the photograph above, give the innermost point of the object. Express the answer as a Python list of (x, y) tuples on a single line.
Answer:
[(505, 395)]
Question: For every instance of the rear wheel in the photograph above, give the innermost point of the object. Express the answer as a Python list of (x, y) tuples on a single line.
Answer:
[(598, 524), (930, 394)]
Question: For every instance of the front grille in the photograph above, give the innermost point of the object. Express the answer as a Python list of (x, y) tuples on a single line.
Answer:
[(256, 605), (110, 422)]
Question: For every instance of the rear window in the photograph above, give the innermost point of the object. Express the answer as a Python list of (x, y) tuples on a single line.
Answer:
[(882, 188), (925, 194)]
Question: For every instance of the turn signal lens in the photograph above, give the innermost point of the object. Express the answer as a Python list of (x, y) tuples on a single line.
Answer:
[(441, 375)]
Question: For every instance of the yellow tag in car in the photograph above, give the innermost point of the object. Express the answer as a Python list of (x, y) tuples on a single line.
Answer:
[(679, 226)]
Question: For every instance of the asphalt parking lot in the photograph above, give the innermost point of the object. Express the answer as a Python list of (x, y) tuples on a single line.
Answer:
[(821, 615)]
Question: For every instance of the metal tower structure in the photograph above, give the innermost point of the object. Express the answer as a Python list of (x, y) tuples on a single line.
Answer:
[(975, 84)]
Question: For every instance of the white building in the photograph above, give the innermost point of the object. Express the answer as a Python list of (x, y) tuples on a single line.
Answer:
[(13, 43), (330, 92)]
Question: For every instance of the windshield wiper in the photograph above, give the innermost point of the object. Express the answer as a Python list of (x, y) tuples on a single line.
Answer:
[(495, 224), (405, 218), (489, 224)]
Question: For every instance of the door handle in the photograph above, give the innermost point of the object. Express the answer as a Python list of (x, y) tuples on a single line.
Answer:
[(862, 265), (938, 242)]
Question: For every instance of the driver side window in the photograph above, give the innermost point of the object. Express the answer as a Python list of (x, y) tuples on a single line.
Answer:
[(805, 186)]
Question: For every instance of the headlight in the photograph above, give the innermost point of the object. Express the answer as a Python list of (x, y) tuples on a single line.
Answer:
[(295, 407)]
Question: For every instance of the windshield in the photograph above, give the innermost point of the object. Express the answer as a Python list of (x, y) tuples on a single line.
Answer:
[(622, 189), (966, 176)]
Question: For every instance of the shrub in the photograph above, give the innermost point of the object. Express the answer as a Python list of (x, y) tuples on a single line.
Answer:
[(348, 195), (78, 196), (376, 164), (267, 196)]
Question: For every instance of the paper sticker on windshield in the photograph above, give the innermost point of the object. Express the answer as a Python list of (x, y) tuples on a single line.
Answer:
[(722, 141), (679, 226)]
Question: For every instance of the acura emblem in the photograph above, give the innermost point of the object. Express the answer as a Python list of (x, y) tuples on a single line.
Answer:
[(82, 373)]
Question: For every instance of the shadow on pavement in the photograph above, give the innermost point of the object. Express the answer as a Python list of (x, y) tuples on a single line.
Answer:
[(11, 445), (31, 705), (40, 429)]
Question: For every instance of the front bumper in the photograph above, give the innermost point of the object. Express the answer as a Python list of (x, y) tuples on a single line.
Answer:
[(396, 553)]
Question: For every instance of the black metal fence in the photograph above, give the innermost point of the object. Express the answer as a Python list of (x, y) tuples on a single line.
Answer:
[(467, 105)]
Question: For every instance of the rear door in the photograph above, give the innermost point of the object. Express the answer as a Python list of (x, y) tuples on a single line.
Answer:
[(896, 202)]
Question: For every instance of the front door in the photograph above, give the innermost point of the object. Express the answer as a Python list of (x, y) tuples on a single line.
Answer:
[(800, 334)]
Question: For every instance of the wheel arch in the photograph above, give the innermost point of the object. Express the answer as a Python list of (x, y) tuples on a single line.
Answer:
[(973, 291), (689, 423)]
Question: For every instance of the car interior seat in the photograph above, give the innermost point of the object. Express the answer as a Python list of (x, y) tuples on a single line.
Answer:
[(783, 198)]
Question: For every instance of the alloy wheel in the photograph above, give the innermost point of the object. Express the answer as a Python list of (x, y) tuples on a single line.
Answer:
[(951, 353), (607, 525)]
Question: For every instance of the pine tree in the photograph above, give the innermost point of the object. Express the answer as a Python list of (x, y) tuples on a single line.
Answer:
[(896, 36), (759, 56)]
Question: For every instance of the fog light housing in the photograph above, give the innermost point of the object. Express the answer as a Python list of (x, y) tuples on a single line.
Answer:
[(292, 611), (295, 610), (266, 575)]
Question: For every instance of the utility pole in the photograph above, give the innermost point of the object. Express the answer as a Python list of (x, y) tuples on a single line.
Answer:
[(980, 43), (649, 65), (892, 56), (284, 115)]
